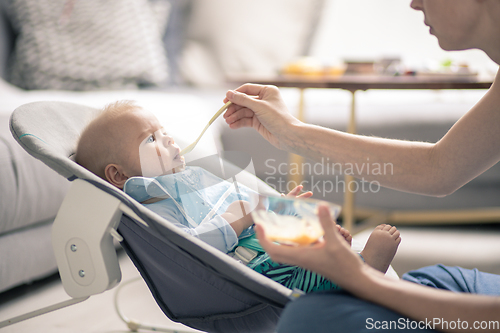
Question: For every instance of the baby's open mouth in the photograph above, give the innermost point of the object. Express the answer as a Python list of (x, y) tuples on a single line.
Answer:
[(178, 157)]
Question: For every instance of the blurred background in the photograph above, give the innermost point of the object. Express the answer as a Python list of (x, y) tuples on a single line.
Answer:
[(361, 29), (177, 58)]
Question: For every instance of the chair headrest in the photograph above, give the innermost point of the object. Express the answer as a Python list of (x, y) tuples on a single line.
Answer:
[(49, 131)]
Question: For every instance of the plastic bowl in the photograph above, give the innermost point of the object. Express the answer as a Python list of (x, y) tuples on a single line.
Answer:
[(290, 221)]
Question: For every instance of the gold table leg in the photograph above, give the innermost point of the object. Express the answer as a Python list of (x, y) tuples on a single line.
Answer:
[(295, 161), (348, 209)]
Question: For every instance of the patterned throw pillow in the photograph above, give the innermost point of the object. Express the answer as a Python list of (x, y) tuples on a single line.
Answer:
[(88, 44)]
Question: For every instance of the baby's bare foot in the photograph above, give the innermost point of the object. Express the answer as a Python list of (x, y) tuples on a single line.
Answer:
[(381, 247), (345, 233)]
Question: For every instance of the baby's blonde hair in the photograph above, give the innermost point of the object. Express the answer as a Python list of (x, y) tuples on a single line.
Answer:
[(94, 149)]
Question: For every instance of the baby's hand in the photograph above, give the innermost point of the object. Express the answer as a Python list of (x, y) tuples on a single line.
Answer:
[(238, 216), (294, 193)]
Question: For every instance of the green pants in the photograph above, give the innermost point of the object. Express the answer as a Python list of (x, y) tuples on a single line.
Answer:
[(292, 277)]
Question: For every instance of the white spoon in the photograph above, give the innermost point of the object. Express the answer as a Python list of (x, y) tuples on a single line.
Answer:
[(189, 148)]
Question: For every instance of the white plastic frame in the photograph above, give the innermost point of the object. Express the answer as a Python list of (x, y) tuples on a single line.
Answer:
[(82, 240)]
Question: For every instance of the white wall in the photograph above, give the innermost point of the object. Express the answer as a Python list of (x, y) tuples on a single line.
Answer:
[(371, 29)]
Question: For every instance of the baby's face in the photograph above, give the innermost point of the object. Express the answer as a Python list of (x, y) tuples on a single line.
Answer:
[(148, 150)]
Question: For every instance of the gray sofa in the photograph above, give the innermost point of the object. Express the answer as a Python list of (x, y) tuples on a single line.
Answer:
[(30, 195)]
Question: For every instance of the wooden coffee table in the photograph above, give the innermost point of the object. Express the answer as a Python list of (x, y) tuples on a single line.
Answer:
[(354, 83)]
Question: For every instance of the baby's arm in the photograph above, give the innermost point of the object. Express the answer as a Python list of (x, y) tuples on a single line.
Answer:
[(216, 232), (238, 216)]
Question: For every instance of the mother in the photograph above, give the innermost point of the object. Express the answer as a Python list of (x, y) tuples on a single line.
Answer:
[(371, 301)]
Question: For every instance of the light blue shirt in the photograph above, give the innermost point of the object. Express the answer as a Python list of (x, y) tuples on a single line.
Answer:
[(196, 200)]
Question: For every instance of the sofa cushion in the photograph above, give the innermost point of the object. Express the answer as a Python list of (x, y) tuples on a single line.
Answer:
[(30, 192), (86, 45), (233, 37)]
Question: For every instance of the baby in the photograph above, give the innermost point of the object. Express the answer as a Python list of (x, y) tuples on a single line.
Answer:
[(127, 146)]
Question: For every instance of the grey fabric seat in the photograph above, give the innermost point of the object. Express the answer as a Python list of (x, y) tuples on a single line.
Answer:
[(192, 282)]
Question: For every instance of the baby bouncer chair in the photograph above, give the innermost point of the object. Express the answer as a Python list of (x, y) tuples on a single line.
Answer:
[(192, 282)]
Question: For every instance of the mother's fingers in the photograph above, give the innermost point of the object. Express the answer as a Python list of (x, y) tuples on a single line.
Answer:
[(252, 89), (240, 119), (269, 246), (241, 123), (232, 109), (238, 114), (328, 224), (244, 99)]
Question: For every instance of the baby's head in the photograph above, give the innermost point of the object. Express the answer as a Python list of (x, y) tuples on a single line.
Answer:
[(124, 141)]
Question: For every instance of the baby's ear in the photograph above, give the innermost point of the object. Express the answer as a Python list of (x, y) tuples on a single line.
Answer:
[(114, 174)]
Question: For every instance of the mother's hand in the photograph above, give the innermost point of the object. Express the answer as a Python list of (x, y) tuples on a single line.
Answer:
[(331, 256), (263, 109)]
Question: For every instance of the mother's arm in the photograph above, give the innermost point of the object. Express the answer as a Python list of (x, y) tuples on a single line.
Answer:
[(468, 149), (333, 258)]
